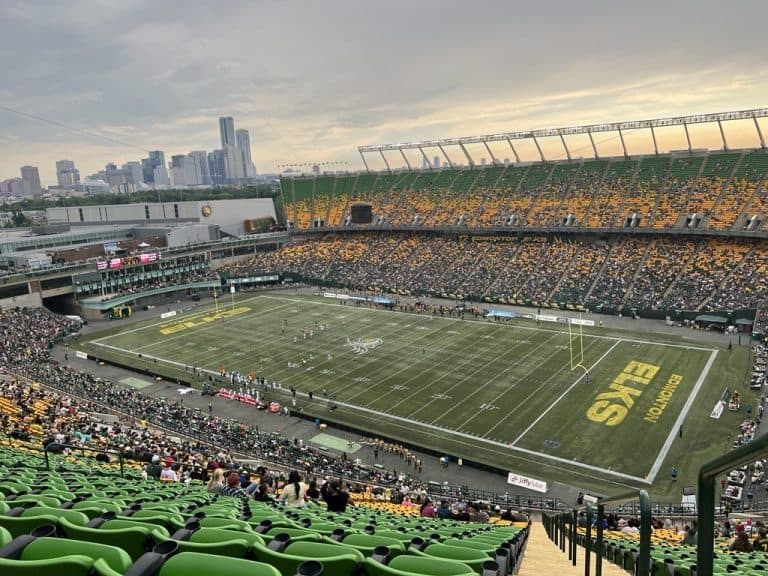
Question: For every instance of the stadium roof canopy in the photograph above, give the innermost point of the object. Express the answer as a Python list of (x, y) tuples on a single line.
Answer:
[(561, 133)]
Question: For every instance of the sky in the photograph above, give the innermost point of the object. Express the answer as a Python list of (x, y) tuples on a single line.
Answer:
[(312, 80)]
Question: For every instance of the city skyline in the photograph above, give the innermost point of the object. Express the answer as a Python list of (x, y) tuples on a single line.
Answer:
[(425, 70)]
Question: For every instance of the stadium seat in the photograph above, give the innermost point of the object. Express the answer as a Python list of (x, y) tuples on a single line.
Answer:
[(135, 540), (407, 565), (24, 525), (472, 558), (195, 564), (75, 565), (336, 560), (367, 543), (51, 548)]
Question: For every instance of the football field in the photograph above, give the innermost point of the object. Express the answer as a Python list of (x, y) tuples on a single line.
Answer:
[(504, 393)]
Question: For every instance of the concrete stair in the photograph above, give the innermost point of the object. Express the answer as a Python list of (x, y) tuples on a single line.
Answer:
[(543, 558)]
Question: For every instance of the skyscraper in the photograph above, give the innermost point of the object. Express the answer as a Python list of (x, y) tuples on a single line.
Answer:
[(227, 129), (244, 143), (148, 165), (30, 177), (66, 173)]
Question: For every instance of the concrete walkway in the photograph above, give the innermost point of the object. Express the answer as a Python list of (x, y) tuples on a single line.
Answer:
[(542, 557)]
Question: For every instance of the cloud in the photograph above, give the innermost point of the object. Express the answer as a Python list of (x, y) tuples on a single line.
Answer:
[(313, 80)]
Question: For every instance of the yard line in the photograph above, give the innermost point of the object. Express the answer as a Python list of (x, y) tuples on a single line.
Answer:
[(523, 403), (680, 417), (449, 432), (493, 379), (579, 379), (467, 360), (512, 325)]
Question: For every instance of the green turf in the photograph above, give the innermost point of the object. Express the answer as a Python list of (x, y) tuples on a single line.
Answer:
[(503, 394)]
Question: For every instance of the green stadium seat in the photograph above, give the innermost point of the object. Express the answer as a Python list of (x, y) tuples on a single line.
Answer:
[(73, 516), (18, 525), (65, 565), (5, 537), (336, 560), (195, 564), (367, 543), (407, 565), (135, 540), (49, 548), (472, 558)]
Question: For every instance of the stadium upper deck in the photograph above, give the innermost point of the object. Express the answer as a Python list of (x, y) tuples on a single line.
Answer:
[(706, 191), (711, 191)]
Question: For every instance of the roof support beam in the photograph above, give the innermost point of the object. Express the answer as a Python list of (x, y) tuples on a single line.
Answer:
[(517, 157), (429, 164), (402, 153), (447, 158), (567, 152), (759, 132), (466, 153), (722, 135), (541, 154), (592, 141), (367, 169), (623, 145), (490, 153), (385, 161), (655, 145), (688, 138)]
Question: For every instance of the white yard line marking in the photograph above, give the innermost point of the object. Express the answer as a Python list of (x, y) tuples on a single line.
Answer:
[(521, 360), (563, 395), (525, 401), (482, 440), (680, 417)]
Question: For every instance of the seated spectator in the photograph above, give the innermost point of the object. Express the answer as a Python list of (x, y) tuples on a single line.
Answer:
[(313, 492), (336, 497), (477, 514), (428, 509), (231, 487), (741, 543), (217, 480), (262, 493), (294, 491), (443, 511)]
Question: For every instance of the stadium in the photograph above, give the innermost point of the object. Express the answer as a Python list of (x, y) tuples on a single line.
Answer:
[(531, 340)]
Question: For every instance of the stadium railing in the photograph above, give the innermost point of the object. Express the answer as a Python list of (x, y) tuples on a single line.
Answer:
[(565, 525), (706, 495)]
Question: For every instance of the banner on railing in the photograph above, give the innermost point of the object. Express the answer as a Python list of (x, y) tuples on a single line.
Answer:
[(81, 355), (526, 482), (170, 314)]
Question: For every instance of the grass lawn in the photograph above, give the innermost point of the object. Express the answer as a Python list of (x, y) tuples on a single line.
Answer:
[(504, 394)]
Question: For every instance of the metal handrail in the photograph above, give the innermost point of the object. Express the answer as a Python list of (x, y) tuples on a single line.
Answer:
[(557, 530), (706, 516)]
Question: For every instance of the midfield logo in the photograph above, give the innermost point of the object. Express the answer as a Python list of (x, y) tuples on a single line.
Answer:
[(363, 345)]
